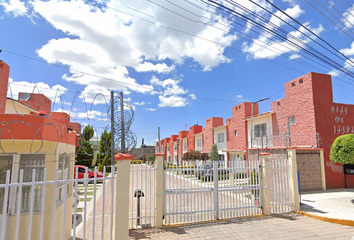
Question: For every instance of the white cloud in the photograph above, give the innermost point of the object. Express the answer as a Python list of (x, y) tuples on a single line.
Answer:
[(277, 18), (150, 109), (348, 19), (15, 7), (107, 43), (139, 103), (261, 52), (239, 96), (348, 51), (172, 101), (193, 96), (53, 93), (149, 67), (94, 94)]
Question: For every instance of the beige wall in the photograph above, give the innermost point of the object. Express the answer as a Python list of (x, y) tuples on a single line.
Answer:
[(14, 107), (51, 151), (309, 167)]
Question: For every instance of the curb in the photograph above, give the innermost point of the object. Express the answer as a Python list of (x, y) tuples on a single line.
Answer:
[(327, 219), (171, 225)]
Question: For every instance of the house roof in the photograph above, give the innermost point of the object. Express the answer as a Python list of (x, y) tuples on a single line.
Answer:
[(259, 115), (220, 126), (21, 103)]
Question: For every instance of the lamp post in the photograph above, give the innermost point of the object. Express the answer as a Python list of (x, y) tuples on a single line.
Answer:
[(264, 99)]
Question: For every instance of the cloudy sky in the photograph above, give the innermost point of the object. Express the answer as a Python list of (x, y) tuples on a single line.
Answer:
[(177, 62)]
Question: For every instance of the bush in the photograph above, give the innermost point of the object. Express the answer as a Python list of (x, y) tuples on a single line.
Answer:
[(342, 150), (240, 175), (136, 162)]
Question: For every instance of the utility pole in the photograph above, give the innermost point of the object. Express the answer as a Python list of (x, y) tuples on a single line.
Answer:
[(122, 149), (112, 129)]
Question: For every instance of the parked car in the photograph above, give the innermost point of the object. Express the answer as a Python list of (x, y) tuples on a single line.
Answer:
[(90, 174), (206, 170)]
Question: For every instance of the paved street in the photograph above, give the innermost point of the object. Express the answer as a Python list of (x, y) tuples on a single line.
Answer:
[(281, 226)]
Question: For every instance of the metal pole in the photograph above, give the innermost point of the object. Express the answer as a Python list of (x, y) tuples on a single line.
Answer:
[(122, 123), (158, 132), (289, 134), (112, 130)]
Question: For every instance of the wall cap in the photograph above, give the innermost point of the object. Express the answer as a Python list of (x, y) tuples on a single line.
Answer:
[(264, 154), (159, 154), (123, 156)]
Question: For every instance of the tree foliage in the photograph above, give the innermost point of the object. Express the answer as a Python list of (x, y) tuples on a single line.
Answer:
[(85, 153), (342, 150), (214, 155), (105, 145)]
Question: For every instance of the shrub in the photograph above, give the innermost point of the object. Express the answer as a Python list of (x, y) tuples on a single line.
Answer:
[(342, 150)]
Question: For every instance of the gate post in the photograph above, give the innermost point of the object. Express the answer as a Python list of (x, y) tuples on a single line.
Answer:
[(159, 204), (294, 184), (266, 191), (216, 188), (122, 195)]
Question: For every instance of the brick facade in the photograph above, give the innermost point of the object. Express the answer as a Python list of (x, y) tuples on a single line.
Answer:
[(4, 79), (309, 168)]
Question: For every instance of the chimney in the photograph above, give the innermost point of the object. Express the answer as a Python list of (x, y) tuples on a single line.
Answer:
[(4, 80)]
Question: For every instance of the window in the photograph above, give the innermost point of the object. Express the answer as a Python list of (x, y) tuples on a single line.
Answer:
[(190, 142), (168, 148), (292, 120), (301, 80), (221, 138), (185, 145), (207, 139), (28, 162), (175, 147), (260, 130), (293, 84), (235, 132), (199, 142)]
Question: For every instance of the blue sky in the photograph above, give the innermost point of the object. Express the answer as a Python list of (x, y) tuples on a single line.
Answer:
[(178, 62)]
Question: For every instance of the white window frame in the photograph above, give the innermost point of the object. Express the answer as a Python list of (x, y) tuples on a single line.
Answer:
[(262, 128), (292, 120), (199, 142), (221, 137)]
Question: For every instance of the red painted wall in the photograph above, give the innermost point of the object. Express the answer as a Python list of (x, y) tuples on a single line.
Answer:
[(208, 133), (181, 135), (39, 102), (191, 139), (4, 79), (310, 99), (239, 113)]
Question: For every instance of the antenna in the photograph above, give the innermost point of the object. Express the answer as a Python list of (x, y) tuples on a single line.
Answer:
[(25, 96)]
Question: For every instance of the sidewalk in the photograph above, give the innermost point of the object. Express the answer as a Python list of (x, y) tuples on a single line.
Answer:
[(335, 204), (278, 226)]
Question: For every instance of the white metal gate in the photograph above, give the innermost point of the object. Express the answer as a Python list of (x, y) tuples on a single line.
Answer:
[(142, 195), (207, 192)]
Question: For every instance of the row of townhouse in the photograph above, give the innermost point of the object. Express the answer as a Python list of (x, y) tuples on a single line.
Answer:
[(306, 118), (32, 136)]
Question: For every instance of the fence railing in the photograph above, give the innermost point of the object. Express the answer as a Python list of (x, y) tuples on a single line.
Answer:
[(61, 208)]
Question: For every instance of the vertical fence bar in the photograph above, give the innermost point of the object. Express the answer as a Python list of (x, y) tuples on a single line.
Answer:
[(75, 203), (112, 160), (65, 197), (132, 191), (31, 205), (18, 208), (85, 202), (216, 190), (43, 203), (4, 207), (94, 204), (103, 199), (54, 202)]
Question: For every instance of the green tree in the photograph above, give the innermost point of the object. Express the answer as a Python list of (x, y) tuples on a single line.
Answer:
[(105, 145), (214, 155), (342, 150), (85, 153)]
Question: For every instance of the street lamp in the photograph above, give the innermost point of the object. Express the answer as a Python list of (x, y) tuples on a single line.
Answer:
[(264, 99)]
